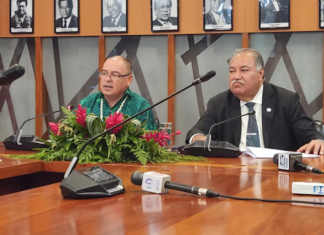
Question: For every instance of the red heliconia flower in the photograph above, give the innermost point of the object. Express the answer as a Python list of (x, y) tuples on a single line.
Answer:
[(81, 115), (114, 119), (159, 137), (55, 128)]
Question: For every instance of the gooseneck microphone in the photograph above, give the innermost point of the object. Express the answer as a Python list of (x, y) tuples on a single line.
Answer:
[(208, 136), (10, 74), (293, 162), (20, 131), (75, 160)]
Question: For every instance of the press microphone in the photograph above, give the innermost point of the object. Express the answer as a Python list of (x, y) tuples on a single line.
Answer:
[(30, 142), (208, 136), (293, 162), (155, 182), (10, 74), (76, 185), (75, 160)]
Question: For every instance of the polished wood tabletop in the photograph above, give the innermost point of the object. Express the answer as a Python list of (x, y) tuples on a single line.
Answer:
[(44, 211)]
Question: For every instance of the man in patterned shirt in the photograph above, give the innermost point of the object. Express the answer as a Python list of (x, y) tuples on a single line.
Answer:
[(115, 95)]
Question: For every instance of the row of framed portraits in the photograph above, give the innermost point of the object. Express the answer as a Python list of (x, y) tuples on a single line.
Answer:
[(217, 15)]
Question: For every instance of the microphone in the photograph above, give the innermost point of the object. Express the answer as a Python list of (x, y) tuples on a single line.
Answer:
[(29, 142), (293, 162), (160, 183), (10, 74), (208, 136), (67, 181)]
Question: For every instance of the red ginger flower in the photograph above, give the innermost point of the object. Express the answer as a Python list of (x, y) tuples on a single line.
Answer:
[(159, 137), (81, 115), (55, 128), (114, 119)]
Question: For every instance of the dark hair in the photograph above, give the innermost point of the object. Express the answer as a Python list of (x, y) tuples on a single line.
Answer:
[(19, 1), (69, 2)]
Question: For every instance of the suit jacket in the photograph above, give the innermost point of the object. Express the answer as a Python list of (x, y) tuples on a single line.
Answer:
[(210, 19), (121, 22), (73, 22), (285, 127), (173, 20)]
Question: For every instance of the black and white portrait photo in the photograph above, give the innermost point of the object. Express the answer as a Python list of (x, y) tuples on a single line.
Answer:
[(21, 16), (321, 14), (218, 15), (114, 16), (165, 15), (274, 14), (66, 16)]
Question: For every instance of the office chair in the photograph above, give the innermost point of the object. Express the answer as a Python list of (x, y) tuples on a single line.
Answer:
[(319, 126)]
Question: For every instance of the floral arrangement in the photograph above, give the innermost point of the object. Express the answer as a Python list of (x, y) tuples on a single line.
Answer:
[(129, 142)]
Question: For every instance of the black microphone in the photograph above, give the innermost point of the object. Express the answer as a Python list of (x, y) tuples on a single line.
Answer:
[(75, 160), (162, 183), (208, 136), (30, 142), (10, 74), (293, 162)]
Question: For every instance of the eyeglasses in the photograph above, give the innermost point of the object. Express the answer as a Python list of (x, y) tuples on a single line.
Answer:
[(114, 75)]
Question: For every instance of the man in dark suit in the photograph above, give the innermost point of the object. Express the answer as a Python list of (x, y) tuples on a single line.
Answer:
[(279, 122), (162, 9), (116, 17), (68, 20), (218, 15), (275, 11)]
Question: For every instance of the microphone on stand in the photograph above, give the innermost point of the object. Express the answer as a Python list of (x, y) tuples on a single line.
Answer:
[(208, 136), (10, 74), (76, 184), (28, 142)]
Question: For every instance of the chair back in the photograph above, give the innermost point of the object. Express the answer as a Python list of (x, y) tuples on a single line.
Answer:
[(319, 126)]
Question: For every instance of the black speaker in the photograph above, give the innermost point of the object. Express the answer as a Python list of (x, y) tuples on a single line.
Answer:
[(220, 149), (91, 182)]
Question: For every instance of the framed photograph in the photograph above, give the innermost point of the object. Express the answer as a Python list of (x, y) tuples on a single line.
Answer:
[(218, 15), (274, 14), (114, 16), (321, 13), (66, 16), (164, 15), (21, 16)]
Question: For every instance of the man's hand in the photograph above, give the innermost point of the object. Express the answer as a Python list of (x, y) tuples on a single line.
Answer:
[(315, 147), (198, 137)]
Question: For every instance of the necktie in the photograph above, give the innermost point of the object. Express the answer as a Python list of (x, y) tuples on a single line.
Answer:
[(252, 135), (113, 22), (64, 25)]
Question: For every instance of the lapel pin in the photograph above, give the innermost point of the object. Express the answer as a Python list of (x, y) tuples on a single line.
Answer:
[(268, 110)]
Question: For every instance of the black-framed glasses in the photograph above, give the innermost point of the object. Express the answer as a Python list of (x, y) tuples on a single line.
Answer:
[(114, 75)]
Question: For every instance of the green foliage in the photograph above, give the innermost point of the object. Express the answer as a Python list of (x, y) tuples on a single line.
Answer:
[(125, 146)]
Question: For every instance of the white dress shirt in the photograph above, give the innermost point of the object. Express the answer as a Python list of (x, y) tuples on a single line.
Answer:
[(219, 18), (117, 19), (68, 20)]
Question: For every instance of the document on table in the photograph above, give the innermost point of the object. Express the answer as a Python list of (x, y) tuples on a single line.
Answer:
[(269, 153)]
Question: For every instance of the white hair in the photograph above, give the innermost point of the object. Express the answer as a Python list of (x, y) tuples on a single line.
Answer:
[(119, 2), (156, 3)]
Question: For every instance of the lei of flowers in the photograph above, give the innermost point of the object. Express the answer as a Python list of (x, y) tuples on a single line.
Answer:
[(19, 23), (129, 142)]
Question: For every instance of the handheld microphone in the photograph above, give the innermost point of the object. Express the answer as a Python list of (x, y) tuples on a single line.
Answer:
[(75, 160), (160, 183), (10, 74), (30, 142), (293, 162), (76, 185), (208, 136)]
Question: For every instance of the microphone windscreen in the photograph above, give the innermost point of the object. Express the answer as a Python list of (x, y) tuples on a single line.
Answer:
[(275, 159), (137, 178), (208, 76), (14, 71)]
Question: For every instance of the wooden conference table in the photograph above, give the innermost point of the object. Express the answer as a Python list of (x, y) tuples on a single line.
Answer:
[(42, 210)]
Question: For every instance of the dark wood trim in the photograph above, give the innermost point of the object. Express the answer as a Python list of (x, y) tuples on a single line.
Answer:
[(245, 40), (171, 80), (39, 85), (102, 53)]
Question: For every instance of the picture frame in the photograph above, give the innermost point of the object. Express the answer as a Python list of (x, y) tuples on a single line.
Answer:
[(321, 13), (218, 15), (274, 14), (114, 16), (21, 17), (164, 15), (66, 16)]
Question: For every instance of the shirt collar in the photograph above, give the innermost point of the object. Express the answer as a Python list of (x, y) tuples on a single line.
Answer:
[(216, 16), (168, 22), (257, 98), (116, 18)]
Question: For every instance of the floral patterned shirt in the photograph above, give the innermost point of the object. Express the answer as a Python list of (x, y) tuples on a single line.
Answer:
[(133, 104)]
